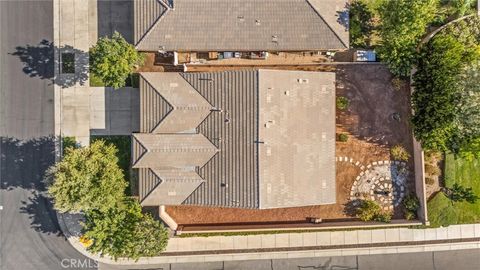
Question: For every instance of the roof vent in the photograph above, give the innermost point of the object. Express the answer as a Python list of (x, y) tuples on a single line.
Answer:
[(301, 81), (257, 22), (275, 39), (241, 18)]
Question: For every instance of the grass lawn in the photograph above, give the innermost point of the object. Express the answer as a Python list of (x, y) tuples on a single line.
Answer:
[(441, 212), (123, 144)]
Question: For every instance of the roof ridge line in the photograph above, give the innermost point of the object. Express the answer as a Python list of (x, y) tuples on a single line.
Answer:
[(327, 24)]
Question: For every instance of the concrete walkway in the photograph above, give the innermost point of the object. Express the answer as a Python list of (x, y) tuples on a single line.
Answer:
[(82, 110), (297, 245)]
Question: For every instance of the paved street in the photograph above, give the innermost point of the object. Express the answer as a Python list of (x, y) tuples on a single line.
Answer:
[(442, 260), (29, 234)]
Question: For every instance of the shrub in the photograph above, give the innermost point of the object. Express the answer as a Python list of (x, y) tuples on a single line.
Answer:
[(429, 181), (384, 217), (343, 137), (432, 169), (368, 210), (458, 193), (411, 202), (342, 103), (397, 83), (410, 215), (398, 152)]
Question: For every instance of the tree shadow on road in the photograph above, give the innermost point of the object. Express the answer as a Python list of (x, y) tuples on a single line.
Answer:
[(23, 164), (39, 211), (38, 61)]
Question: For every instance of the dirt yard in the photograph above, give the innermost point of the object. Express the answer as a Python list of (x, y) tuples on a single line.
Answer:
[(372, 130)]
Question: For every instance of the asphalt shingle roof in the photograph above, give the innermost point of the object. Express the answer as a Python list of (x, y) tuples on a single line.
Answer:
[(241, 25), (268, 141)]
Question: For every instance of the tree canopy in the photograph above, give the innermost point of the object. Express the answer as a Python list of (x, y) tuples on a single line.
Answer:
[(86, 178), (403, 23), (113, 59), (124, 231), (446, 97)]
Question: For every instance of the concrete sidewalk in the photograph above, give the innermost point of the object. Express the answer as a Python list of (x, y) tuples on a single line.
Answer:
[(297, 245)]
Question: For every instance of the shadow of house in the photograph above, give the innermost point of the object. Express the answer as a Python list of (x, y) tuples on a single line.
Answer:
[(38, 61)]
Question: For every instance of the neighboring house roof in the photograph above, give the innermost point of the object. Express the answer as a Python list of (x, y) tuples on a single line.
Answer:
[(241, 25), (271, 140)]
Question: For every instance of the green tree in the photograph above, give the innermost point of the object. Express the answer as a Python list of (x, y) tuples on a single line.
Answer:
[(86, 178), (403, 23), (124, 231), (361, 24), (113, 60), (458, 193), (446, 97)]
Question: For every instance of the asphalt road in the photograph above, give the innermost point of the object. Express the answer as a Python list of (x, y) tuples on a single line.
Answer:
[(30, 237), (442, 260)]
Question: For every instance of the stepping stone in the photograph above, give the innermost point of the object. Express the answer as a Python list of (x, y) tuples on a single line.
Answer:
[(340, 158), (402, 188), (357, 163), (351, 160), (369, 166), (396, 162), (358, 178), (362, 168), (362, 173), (380, 162), (386, 162), (374, 163)]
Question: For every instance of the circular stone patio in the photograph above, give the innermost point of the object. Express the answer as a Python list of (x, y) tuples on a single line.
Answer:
[(383, 182)]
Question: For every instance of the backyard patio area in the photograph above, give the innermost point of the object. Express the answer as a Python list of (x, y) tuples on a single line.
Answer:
[(376, 119)]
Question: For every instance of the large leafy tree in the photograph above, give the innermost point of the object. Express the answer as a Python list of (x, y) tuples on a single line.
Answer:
[(361, 24), (124, 231), (86, 178), (113, 60), (403, 23), (446, 100)]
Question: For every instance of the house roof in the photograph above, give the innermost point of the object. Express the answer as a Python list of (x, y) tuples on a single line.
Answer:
[(172, 187), (241, 25), (271, 139), (172, 150)]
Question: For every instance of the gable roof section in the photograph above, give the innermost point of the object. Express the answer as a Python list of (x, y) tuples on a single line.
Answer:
[(243, 25), (154, 107), (146, 13), (173, 187), (181, 110), (173, 150)]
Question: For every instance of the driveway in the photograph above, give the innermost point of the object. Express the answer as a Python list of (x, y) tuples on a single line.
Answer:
[(29, 234)]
